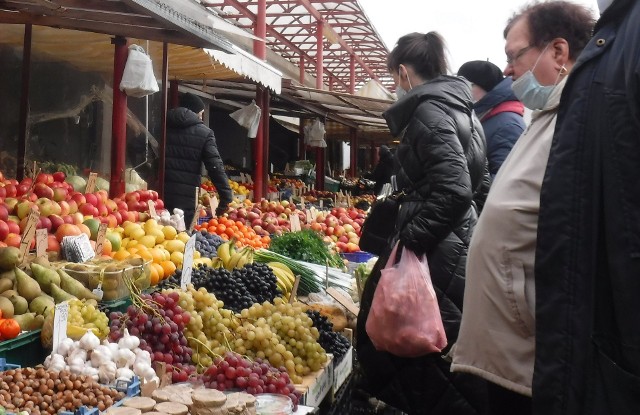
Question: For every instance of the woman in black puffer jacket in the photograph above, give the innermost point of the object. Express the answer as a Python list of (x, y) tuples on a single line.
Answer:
[(443, 168)]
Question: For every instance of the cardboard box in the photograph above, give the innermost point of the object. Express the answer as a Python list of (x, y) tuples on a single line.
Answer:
[(317, 385), (342, 370)]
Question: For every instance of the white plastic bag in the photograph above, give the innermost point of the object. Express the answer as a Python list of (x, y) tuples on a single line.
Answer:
[(249, 118), (314, 134), (138, 79)]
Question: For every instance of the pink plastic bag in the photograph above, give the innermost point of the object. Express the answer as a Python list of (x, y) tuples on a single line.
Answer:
[(404, 319)]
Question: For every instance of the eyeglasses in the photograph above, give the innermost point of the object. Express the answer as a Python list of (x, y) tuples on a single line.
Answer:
[(518, 54)]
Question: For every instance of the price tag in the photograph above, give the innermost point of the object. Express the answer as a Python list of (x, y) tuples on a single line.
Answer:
[(60, 324), (102, 231), (187, 262), (294, 290), (91, 183), (294, 219), (321, 204), (41, 243), (314, 212), (29, 231), (309, 216), (152, 208), (302, 206), (348, 200), (213, 204)]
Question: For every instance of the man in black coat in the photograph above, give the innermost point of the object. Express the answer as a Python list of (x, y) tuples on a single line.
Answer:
[(384, 169), (190, 143), (587, 265)]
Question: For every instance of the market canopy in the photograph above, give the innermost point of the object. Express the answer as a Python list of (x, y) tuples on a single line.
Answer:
[(93, 52)]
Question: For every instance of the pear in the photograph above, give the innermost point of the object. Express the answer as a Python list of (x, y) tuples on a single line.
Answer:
[(73, 287), (9, 293), (38, 322), (5, 284), (6, 307), (59, 295), (41, 305), (27, 286), (8, 275), (20, 304), (25, 320), (9, 257), (45, 276)]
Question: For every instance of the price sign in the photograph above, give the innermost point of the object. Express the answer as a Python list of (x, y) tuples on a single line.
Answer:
[(309, 216), (187, 262), (91, 183), (345, 301), (294, 219), (60, 324), (321, 204), (41, 243), (348, 199), (102, 231), (294, 290), (152, 208), (213, 204), (314, 212), (29, 231), (302, 206)]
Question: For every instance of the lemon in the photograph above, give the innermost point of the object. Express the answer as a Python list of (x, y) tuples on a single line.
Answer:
[(137, 233), (183, 236), (169, 232), (177, 258), (175, 245), (148, 240)]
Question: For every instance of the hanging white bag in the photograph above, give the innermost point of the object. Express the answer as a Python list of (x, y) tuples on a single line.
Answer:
[(138, 79), (314, 134), (249, 118)]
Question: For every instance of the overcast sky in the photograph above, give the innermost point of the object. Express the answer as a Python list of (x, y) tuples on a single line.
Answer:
[(471, 28)]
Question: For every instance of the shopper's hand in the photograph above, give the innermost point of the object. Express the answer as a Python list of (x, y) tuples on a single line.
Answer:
[(221, 209)]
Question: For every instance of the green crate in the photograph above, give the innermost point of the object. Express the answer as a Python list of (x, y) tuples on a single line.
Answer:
[(25, 350), (120, 305)]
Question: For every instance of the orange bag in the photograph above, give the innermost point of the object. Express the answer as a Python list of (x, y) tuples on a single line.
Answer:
[(404, 318)]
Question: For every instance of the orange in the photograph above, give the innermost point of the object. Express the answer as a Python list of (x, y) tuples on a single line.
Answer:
[(169, 268), (145, 254), (159, 269), (121, 254), (154, 276), (157, 255)]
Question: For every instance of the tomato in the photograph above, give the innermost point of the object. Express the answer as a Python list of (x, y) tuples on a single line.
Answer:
[(9, 329)]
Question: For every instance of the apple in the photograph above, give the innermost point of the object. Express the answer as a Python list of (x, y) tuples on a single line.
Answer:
[(4, 230), (59, 176), (44, 178), (73, 205), (342, 246), (11, 190), (111, 205), (153, 195), (102, 195), (10, 203), (12, 223), (78, 197), (67, 229), (69, 219), (343, 238), (159, 204), (351, 247), (132, 196), (121, 204), (27, 181), (56, 221), (13, 239), (329, 231), (23, 208), (52, 244), (45, 206), (4, 212), (102, 210), (64, 207), (117, 216), (92, 199), (22, 189), (60, 194), (44, 223), (270, 228), (3, 192)]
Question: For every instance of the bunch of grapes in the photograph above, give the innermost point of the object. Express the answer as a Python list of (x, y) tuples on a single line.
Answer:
[(259, 280), (84, 313), (209, 330), (330, 341), (235, 372), (159, 322), (283, 334)]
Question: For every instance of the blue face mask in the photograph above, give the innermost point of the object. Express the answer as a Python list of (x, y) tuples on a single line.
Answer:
[(400, 92), (529, 91)]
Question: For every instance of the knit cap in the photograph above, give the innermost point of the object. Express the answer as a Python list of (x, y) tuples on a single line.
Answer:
[(482, 73), (192, 102)]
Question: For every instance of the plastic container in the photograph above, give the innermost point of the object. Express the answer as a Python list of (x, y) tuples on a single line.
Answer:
[(7, 366), (112, 275), (272, 404), (25, 350), (358, 257)]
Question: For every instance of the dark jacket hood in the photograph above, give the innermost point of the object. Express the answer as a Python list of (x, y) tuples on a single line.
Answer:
[(501, 93), (452, 90), (182, 118)]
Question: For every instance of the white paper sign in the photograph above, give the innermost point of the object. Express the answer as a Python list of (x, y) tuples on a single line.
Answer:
[(187, 262), (152, 208), (29, 231), (309, 217), (91, 183), (213, 204), (60, 324), (102, 231)]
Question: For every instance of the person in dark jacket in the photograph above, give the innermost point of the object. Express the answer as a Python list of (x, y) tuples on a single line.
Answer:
[(588, 251), (190, 143), (384, 169), (499, 110), (443, 163)]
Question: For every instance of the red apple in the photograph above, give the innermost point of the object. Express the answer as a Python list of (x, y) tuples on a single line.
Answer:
[(13, 225), (117, 216), (44, 178), (79, 198), (52, 244), (122, 205), (111, 205), (44, 223), (4, 230), (132, 196), (45, 206), (159, 204), (102, 195), (153, 195), (23, 208), (3, 192), (56, 221), (77, 218), (69, 219), (4, 212), (22, 189), (102, 210), (59, 176), (91, 198), (65, 209), (11, 190), (87, 209), (27, 181), (13, 239)]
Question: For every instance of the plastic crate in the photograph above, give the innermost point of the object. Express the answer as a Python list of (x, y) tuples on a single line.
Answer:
[(120, 305), (204, 219), (7, 366), (359, 257), (25, 350)]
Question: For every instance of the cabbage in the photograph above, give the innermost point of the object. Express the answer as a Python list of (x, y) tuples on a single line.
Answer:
[(78, 183)]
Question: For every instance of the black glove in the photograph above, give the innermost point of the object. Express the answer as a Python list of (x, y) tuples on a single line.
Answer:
[(221, 209)]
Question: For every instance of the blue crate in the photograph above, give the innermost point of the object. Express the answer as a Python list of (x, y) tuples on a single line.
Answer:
[(7, 366), (359, 257), (204, 219)]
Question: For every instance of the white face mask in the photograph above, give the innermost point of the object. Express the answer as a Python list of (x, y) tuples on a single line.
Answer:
[(604, 4), (528, 90)]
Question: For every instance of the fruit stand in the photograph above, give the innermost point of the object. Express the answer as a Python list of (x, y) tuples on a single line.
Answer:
[(216, 306)]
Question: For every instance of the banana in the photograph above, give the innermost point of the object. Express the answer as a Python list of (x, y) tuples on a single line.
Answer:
[(285, 269), (223, 253), (282, 278), (236, 258), (217, 263)]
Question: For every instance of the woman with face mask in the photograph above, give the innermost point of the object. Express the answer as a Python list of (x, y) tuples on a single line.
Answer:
[(497, 334), (442, 168)]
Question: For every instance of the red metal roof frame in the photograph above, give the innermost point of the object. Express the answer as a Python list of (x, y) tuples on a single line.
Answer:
[(291, 32)]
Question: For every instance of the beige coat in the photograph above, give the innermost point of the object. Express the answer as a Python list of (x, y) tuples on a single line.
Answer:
[(496, 340)]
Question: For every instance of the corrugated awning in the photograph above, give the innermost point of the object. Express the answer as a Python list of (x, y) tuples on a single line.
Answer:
[(93, 52)]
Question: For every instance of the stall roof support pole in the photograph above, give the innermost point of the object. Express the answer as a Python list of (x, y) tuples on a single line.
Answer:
[(353, 167), (301, 145), (320, 151), (174, 97), (163, 117), (352, 74), (261, 142), (24, 102), (301, 69), (118, 119)]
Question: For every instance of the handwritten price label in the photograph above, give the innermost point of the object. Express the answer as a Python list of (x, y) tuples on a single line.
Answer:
[(102, 232), (152, 208), (187, 262), (91, 183), (60, 324), (41, 243), (29, 231)]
